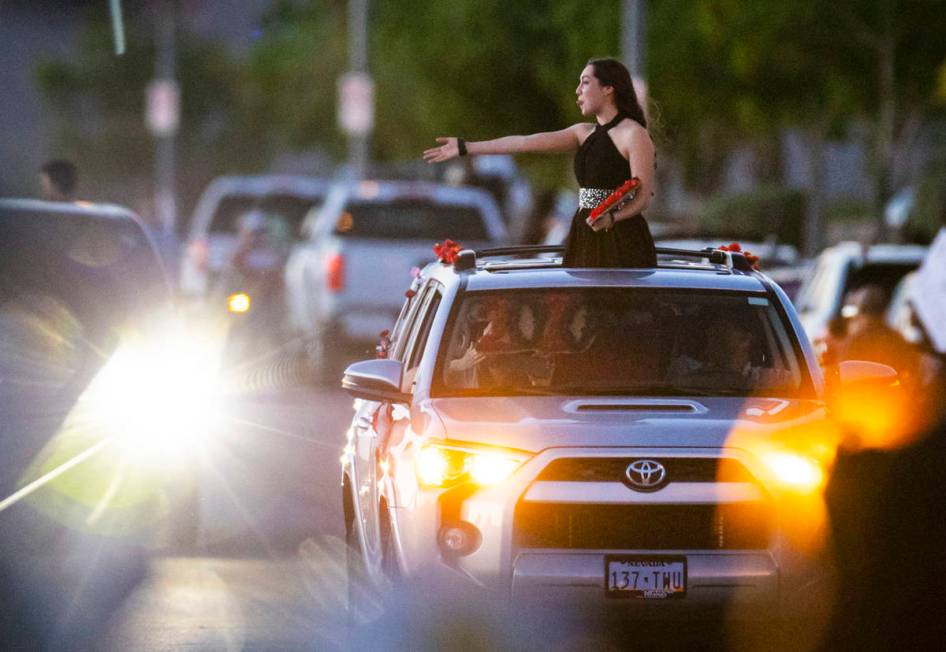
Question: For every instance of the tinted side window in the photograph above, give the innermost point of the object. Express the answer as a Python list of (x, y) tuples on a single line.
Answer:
[(419, 338), (411, 220), (405, 326)]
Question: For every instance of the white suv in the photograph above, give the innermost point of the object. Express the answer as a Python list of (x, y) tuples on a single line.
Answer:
[(589, 434)]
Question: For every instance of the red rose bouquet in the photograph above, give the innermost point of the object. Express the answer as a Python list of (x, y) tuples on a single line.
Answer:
[(626, 192), (749, 256), (447, 251)]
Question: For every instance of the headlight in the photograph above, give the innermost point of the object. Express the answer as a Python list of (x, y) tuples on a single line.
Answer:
[(157, 397), (442, 465), (794, 471), (238, 303)]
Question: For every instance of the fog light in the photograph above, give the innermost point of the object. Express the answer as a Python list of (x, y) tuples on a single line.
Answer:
[(459, 539)]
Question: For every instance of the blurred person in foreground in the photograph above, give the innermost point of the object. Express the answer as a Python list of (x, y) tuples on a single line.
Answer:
[(59, 179), (885, 500), (616, 148)]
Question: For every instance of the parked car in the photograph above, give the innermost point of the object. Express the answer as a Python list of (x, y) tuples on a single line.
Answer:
[(581, 435), (91, 476), (345, 281), (215, 226), (901, 315), (781, 262), (846, 267)]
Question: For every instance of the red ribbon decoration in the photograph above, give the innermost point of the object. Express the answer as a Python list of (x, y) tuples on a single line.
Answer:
[(735, 247), (447, 252), (629, 186)]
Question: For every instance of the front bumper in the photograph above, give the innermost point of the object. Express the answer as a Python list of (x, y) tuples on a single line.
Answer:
[(747, 582), (755, 578)]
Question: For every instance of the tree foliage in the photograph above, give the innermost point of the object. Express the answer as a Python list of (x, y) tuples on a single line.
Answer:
[(721, 73), (98, 101)]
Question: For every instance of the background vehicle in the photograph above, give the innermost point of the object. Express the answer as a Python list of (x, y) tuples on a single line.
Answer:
[(901, 315), (548, 458), (845, 267), (780, 262), (346, 281), (249, 290), (215, 225), (85, 416)]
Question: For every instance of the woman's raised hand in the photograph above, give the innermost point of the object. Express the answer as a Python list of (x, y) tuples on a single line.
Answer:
[(448, 149)]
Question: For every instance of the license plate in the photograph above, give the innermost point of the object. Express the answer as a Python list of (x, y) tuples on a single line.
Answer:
[(645, 577)]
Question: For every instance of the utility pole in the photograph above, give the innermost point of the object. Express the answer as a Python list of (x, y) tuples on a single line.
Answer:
[(356, 90), (163, 117), (634, 45)]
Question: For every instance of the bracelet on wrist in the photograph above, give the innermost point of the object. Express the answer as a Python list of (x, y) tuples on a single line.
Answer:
[(461, 146)]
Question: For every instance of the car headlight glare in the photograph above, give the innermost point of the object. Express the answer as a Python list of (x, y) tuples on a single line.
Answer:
[(795, 471), (157, 396), (444, 466), (238, 303)]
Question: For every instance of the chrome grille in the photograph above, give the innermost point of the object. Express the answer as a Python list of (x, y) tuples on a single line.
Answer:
[(643, 527), (679, 469)]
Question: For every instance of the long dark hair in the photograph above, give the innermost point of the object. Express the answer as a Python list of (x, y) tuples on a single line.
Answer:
[(611, 72)]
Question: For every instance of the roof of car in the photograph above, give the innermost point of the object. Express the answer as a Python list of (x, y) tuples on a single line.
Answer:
[(879, 253), (672, 272), (11, 208), (387, 189), (266, 184), (658, 277)]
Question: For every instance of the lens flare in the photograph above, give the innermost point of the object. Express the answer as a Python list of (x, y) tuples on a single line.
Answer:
[(238, 303), (441, 466), (432, 464), (490, 468), (795, 471), (158, 397)]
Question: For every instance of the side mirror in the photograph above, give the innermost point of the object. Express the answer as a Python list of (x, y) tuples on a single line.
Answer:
[(867, 400), (376, 380), (859, 375)]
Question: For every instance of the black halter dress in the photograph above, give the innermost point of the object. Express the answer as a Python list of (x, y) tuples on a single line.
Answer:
[(600, 168)]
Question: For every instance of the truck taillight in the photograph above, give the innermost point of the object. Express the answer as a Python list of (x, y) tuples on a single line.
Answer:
[(335, 273), (199, 254)]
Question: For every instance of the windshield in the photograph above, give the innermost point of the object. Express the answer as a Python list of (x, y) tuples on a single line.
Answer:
[(411, 220), (617, 342), (290, 209)]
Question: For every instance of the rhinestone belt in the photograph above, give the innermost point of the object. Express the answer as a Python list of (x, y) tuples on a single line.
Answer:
[(591, 197)]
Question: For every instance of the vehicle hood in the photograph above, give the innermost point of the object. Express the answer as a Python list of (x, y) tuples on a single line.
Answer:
[(536, 423)]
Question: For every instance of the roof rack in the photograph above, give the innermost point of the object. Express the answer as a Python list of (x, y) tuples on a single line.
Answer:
[(467, 258)]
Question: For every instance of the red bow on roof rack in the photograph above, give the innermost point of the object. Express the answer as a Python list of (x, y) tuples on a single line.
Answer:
[(447, 252), (751, 258)]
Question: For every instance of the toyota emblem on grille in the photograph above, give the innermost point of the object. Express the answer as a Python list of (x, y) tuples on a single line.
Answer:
[(646, 475)]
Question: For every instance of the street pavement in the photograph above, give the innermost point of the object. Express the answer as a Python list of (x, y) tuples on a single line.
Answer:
[(268, 571)]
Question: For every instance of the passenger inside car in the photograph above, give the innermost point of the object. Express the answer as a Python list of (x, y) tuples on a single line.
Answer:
[(608, 345), (494, 345), (728, 356), (607, 342)]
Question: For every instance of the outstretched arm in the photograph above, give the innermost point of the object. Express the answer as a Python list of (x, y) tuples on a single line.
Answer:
[(564, 140)]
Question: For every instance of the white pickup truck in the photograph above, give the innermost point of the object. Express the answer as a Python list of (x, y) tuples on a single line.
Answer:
[(345, 280)]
